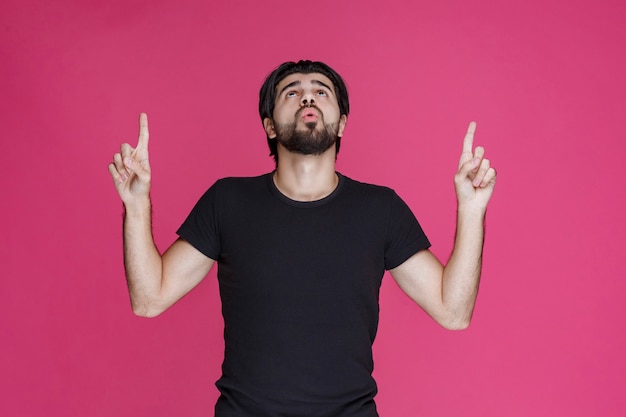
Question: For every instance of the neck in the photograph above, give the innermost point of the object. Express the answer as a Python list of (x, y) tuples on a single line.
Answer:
[(306, 177)]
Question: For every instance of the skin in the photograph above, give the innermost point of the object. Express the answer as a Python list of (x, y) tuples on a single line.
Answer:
[(305, 177), (155, 281), (447, 293)]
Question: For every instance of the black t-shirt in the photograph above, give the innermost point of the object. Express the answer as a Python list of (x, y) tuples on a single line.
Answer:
[(299, 284)]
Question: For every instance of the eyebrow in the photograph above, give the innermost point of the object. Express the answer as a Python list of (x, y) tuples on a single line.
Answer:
[(298, 82)]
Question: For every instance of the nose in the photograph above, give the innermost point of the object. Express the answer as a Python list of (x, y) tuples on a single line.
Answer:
[(307, 100)]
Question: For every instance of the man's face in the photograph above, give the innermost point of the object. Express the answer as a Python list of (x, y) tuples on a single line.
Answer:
[(306, 117)]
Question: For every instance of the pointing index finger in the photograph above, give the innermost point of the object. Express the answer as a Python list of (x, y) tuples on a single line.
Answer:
[(468, 141), (143, 131)]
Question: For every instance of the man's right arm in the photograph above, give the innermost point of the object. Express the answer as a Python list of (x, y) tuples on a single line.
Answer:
[(155, 281)]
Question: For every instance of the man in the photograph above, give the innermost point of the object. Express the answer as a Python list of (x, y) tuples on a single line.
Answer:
[(301, 254)]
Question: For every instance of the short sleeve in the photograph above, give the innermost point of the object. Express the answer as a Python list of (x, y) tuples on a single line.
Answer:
[(200, 228), (405, 236)]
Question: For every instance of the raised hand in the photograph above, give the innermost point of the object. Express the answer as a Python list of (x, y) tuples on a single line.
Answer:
[(475, 179), (130, 168)]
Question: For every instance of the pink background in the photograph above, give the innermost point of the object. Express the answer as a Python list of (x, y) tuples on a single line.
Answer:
[(544, 79)]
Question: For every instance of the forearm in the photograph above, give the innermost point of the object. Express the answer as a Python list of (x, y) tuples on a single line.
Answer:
[(142, 260), (448, 293), (461, 275)]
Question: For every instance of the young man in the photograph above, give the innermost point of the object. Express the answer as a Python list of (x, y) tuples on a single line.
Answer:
[(301, 254)]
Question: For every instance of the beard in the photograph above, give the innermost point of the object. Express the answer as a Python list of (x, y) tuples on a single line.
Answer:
[(310, 141)]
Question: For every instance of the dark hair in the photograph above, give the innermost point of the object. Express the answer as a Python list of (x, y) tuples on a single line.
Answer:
[(267, 95)]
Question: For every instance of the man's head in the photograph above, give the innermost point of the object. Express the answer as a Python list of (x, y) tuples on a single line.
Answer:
[(306, 103)]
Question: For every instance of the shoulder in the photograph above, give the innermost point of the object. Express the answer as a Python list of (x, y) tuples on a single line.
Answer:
[(382, 199), (241, 182), (366, 189), (236, 185), (233, 188)]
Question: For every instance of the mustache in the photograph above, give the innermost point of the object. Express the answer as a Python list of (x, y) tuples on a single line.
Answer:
[(303, 109)]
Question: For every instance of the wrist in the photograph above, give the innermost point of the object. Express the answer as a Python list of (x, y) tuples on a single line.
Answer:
[(138, 207), (468, 214), (470, 209)]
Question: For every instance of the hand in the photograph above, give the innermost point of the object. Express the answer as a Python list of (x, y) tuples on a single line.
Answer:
[(130, 168), (475, 179)]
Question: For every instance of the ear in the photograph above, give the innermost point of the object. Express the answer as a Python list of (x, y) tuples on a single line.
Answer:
[(342, 124), (268, 125)]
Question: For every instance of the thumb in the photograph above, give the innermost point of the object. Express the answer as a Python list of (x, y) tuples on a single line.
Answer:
[(469, 166), (141, 169)]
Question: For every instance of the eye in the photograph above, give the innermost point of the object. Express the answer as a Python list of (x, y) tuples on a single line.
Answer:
[(322, 93), (291, 94)]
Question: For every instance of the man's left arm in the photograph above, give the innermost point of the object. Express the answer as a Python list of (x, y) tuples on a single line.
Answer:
[(448, 293)]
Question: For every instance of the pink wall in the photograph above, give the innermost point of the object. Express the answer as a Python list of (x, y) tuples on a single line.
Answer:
[(544, 79)]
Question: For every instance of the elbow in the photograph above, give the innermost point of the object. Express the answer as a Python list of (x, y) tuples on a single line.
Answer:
[(146, 310), (145, 313), (455, 322), (456, 325)]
